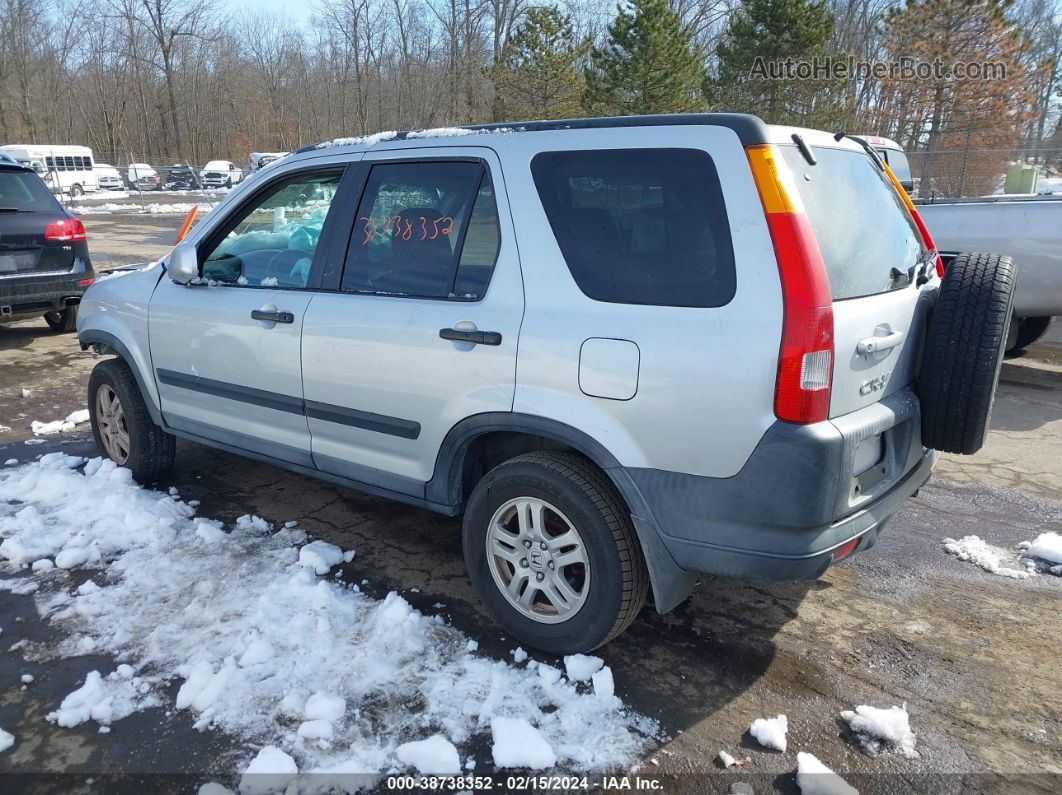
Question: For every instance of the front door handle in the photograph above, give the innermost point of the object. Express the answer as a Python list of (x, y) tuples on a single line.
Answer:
[(272, 316), (475, 337), (874, 344)]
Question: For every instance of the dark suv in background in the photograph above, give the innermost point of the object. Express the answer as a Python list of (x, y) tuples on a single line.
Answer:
[(44, 257)]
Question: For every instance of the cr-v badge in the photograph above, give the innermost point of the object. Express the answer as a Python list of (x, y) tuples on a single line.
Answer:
[(874, 384)]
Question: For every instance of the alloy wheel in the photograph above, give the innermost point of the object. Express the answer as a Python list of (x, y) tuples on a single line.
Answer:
[(110, 417), (538, 560)]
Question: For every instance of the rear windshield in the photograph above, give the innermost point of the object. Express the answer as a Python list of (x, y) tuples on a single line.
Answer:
[(868, 239), (640, 226), (21, 190)]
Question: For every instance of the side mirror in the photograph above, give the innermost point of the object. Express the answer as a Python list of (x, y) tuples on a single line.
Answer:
[(183, 263)]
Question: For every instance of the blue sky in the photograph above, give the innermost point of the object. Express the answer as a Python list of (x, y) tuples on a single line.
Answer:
[(298, 10)]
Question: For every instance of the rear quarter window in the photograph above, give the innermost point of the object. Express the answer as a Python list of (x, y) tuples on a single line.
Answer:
[(640, 226)]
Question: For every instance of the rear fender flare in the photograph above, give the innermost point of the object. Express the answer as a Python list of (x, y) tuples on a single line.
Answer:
[(670, 584)]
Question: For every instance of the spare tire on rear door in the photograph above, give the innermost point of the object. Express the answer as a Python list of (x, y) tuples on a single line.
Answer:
[(964, 351)]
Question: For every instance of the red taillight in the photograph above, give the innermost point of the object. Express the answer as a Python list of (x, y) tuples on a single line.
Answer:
[(805, 365), (86, 282), (845, 549), (65, 230)]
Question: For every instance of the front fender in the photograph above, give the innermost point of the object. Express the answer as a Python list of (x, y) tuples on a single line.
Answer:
[(113, 318)]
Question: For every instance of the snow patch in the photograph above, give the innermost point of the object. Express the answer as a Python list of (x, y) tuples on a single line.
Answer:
[(519, 744), (72, 420), (6, 740), (101, 700), (880, 729), (1048, 548), (271, 771), (581, 667), (604, 684), (814, 778), (435, 756), (973, 549), (260, 645), (770, 732), (320, 556)]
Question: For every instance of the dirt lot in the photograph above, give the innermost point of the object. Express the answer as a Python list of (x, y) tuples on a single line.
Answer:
[(974, 656)]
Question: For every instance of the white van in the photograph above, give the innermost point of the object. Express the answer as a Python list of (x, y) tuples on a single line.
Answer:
[(64, 169)]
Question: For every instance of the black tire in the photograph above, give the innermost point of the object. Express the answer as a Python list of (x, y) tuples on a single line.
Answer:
[(1030, 329), (228, 183), (619, 579), (151, 450), (76, 191), (964, 352), (63, 321)]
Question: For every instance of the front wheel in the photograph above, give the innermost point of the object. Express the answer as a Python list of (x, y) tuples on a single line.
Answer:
[(228, 182), (122, 425), (62, 321), (550, 548)]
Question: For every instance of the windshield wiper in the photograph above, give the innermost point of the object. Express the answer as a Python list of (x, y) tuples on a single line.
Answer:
[(13, 210), (870, 150)]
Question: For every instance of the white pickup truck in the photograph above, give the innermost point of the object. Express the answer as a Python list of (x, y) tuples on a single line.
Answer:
[(1026, 228)]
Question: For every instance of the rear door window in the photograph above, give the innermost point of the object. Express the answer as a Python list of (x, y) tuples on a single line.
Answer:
[(425, 230), (640, 226), (868, 240)]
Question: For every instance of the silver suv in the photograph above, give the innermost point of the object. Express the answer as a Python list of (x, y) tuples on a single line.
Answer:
[(631, 351)]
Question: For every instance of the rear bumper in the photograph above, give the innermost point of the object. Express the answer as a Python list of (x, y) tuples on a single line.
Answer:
[(800, 496), (30, 296)]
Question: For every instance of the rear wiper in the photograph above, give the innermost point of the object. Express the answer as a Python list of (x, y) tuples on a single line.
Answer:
[(870, 150), (13, 210)]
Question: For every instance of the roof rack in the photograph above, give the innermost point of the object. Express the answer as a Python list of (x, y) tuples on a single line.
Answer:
[(750, 129)]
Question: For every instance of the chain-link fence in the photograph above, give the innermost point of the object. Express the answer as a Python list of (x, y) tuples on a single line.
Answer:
[(980, 172)]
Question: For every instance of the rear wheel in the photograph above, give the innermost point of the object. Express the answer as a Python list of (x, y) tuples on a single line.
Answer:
[(551, 550), (62, 321), (1029, 330), (122, 425), (964, 352), (76, 190)]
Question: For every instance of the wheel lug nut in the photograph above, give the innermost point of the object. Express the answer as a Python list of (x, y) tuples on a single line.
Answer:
[(543, 545), (523, 563), (527, 544), (540, 576), (551, 565)]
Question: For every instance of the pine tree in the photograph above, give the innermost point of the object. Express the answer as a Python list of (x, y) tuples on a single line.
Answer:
[(538, 77), (647, 65), (765, 32)]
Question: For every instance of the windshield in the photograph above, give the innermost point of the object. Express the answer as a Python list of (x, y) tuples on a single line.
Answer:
[(868, 239), (20, 190)]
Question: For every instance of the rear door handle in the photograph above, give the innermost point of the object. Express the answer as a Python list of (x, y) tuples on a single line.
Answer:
[(272, 316), (874, 344), (475, 337)]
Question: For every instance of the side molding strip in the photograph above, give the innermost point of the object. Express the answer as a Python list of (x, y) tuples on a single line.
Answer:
[(379, 423)]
